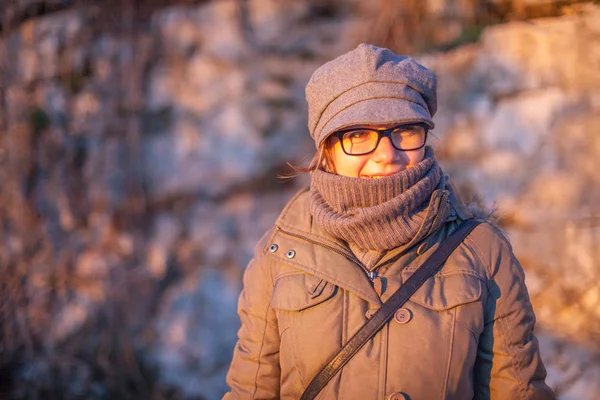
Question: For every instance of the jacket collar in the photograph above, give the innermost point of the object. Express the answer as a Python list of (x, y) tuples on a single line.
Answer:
[(317, 252)]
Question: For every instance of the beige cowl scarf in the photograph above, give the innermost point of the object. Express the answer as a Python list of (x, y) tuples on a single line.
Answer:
[(374, 215)]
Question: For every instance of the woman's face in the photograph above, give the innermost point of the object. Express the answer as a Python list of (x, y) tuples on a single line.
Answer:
[(383, 161)]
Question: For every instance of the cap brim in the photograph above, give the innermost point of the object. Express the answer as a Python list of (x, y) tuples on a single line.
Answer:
[(378, 111)]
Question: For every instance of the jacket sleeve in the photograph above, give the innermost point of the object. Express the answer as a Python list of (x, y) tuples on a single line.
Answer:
[(508, 363), (254, 372)]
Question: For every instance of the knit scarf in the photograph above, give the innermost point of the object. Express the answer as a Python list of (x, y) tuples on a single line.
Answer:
[(375, 214)]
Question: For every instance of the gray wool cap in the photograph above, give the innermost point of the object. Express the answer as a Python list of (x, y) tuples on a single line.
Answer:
[(369, 85)]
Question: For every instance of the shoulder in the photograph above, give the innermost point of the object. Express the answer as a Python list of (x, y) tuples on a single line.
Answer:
[(491, 245), (296, 214)]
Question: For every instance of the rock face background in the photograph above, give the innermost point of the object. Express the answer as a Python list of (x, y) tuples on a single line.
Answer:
[(139, 155)]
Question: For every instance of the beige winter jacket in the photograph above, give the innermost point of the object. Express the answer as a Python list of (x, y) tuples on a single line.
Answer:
[(466, 333)]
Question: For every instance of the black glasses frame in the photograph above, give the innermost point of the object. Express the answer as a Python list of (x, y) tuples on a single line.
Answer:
[(381, 133)]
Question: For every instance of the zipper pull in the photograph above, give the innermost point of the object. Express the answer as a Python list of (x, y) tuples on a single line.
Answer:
[(377, 282)]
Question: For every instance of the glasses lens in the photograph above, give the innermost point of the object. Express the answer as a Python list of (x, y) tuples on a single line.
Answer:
[(409, 137), (359, 141)]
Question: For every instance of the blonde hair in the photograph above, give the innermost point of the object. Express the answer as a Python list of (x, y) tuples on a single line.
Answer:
[(322, 159)]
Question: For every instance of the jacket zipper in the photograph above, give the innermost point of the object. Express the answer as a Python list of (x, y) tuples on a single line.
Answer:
[(370, 274)]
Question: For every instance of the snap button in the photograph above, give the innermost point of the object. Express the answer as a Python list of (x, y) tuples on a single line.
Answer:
[(273, 248), (290, 254), (422, 247), (370, 312), (398, 396), (403, 315)]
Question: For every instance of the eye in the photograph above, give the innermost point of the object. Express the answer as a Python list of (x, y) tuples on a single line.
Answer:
[(358, 135), (409, 137), (409, 130)]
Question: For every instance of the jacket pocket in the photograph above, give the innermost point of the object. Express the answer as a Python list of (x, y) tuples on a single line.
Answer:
[(309, 317), (297, 292), (443, 329), (444, 292)]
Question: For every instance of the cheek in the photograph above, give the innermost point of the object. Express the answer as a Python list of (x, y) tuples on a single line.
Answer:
[(415, 157), (347, 165)]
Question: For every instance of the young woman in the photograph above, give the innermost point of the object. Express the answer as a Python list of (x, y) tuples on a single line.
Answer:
[(377, 207)]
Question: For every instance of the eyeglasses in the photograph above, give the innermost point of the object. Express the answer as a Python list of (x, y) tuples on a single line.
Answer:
[(361, 141)]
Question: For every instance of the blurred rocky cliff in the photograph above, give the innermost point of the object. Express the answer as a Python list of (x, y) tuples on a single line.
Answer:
[(139, 152)]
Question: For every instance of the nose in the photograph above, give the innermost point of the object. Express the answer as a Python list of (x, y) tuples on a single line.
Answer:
[(385, 152)]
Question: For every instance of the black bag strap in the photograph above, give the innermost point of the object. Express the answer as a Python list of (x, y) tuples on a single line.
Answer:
[(387, 310)]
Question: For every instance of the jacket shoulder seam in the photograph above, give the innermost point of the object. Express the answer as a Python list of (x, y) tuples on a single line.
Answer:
[(264, 318), (260, 317), (262, 343), (290, 204), (485, 261), (513, 359), (472, 244), (500, 321)]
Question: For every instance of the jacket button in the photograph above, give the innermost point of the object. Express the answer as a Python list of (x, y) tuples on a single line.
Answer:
[(290, 254), (422, 248), (403, 315), (398, 396), (273, 248), (370, 312)]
